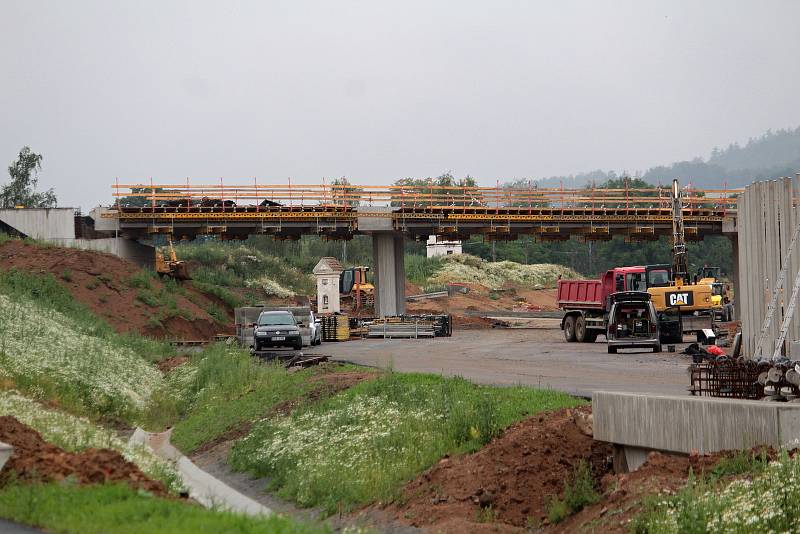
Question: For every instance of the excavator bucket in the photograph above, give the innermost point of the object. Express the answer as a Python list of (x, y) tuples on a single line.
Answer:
[(180, 271)]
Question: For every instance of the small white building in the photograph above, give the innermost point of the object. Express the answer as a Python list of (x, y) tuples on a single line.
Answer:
[(439, 246), (327, 272)]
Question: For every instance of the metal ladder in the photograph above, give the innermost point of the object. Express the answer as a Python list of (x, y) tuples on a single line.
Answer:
[(773, 302), (787, 318)]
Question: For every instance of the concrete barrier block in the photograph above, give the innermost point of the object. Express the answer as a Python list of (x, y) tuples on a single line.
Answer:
[(687, 424)]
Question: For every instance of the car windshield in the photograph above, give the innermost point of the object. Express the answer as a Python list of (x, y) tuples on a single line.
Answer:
[(273, 319)]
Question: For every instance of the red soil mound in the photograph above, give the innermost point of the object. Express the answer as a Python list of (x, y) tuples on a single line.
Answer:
[(516, 474), (101, 282), (36, 460), (623, 494)]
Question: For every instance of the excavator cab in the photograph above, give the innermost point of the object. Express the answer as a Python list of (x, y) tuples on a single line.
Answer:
[(708, 275), (170, 265)]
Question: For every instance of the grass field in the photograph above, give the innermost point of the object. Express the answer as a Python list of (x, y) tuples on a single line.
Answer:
[(117, 509), (362, 444), (77, 363), (221, 388)]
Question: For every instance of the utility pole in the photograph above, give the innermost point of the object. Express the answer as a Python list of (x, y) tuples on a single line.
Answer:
[(494, 255), (344, 252)]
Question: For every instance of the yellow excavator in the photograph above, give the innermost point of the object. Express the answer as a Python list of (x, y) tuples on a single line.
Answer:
[(170, 265), (694, 302)]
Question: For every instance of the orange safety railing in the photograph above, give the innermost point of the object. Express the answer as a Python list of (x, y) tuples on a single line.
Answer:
[(422, 198)]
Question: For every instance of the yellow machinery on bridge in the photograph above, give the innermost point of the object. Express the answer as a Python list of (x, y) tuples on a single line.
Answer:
[(693, 301)]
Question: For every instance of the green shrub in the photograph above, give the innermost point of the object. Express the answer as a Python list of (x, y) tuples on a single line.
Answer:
[(420, 268), (140, 280), (228, 297), (761, 498), (66, 275), (148, 297), (218, 314), (578, 492), (92, 284)]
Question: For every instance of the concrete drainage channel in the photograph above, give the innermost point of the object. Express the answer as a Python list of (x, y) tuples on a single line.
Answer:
[(5, 453), (204, 488)]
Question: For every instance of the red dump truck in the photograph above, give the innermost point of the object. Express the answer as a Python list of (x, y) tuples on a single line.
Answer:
[(586, 303)]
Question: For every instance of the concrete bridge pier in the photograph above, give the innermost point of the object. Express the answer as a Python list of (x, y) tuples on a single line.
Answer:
[(389, 276), (387, 259)]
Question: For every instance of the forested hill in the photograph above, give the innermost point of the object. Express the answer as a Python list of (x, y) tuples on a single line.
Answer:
[(769, 156)]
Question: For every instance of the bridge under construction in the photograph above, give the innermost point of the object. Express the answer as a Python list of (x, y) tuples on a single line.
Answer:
[(392, 213)]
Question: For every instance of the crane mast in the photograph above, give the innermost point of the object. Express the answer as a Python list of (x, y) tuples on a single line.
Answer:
[(680, 260)]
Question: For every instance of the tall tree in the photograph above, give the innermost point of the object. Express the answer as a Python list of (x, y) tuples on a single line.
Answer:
[(21, 191)]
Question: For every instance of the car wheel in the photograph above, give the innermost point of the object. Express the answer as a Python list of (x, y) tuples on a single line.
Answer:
[(569, 329), (298, 346)]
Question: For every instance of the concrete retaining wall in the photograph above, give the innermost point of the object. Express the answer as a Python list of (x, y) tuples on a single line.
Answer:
[(766, 220), (128, 249), (46, 224), (687, 424)]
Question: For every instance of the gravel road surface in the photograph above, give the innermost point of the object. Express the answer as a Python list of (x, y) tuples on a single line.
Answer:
[(532, 356)]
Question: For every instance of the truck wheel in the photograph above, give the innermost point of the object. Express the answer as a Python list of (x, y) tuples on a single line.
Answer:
[(657, 348), (612, 350), (591, 336), (580, 330), (569, 329)]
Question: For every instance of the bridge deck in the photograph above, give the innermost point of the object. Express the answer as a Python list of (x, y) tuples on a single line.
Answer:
[(494, 212)]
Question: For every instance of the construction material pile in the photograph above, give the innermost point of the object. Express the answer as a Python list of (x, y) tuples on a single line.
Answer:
[(335, 327), (740, 378), (36, 460), (397, 327), (424, 325)]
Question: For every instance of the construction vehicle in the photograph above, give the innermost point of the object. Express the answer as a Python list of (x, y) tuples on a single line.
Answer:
[(353, 283), (720, 300), (586, 303), (171, 266), (692, 300)]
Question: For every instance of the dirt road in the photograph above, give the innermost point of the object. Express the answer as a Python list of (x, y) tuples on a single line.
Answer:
[(538, 357)]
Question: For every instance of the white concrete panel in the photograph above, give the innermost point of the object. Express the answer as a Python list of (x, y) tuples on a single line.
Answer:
[(686, 424), (52, 223)]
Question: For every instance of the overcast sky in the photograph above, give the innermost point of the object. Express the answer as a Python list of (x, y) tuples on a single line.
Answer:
[(377, 91)]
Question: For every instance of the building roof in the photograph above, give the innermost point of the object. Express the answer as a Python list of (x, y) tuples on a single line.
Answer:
[(328, 265)]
